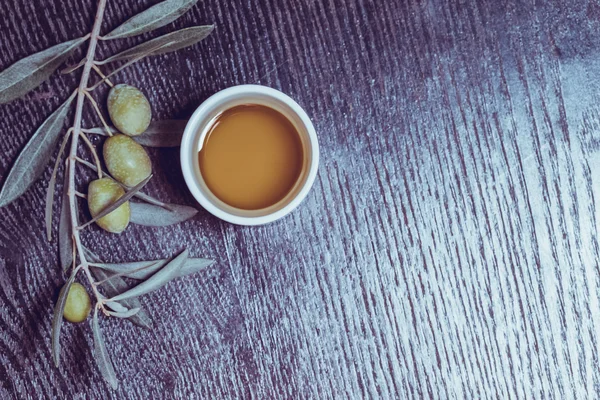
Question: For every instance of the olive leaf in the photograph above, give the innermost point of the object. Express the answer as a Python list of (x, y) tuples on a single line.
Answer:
[(156, 281), (151, 200), (154, 17), (116, 285), (151, 215), (113, 206), (144, 269), (51, 189), (57, 319), (165, 133), (29, 72), (164, 44), (125, 314), (116, 306), (65, 230), (101, 355), (33, 159)]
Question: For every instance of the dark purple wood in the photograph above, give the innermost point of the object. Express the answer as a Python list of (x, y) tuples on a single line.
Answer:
[(448, 249)]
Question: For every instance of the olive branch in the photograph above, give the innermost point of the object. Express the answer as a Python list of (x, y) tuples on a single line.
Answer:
[(113, 296)]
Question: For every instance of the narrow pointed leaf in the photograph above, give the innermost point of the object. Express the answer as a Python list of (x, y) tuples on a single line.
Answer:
[(166, 133), (151, 215), (164, 44), (51, 188), (116, 306), (57, 319), (27, 73), (117, 285), (65, 230), (100, 130), (125, 314), (33, 159), (113, 206), (193, 265), (144, 269), (92, 257), (154, 17), (136, 269), (151, 200), (156, 281), (101, 354)]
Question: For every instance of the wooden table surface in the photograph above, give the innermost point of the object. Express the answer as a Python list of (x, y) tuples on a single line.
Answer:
[(448, 249)]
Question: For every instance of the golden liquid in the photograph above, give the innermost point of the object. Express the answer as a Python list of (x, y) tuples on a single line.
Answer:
[(251, 157)]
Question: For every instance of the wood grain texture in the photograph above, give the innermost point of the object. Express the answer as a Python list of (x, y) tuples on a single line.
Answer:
[(449, 247)]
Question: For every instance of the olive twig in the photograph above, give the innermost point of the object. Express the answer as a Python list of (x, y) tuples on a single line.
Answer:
[(104, 77), (86, 163), (115, 71), (85, 76), (73, 68), (94, 154), (79, 194), (97, 109)]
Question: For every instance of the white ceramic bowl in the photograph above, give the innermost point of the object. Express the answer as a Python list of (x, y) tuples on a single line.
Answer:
[(200, 124)]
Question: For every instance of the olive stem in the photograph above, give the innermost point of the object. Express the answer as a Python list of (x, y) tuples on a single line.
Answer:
[(91, 99), (73, 68), (94, 154), (86, 163), (85, 76), (79, 194), (104, 77)]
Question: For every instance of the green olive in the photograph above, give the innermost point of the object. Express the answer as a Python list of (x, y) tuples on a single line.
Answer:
[(126, 160), (78, 304), (129, 110), (102, 193)]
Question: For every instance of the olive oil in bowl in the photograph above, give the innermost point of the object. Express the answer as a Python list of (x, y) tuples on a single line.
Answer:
[(251, 157)]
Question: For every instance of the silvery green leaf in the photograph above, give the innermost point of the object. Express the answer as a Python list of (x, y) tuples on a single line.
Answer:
[(144, 269), (151, 200), (113, 206), (164, 44), (33, 159), (91, 256), (193, 265), (136, 269), (101, 354), (116, 306), (151, 215), (57, 319), (27, 73), (156, 281), (165, 133), (51, 188), (125, 314), (100, 130), (116, 285), (65, 230), (154, 17)]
